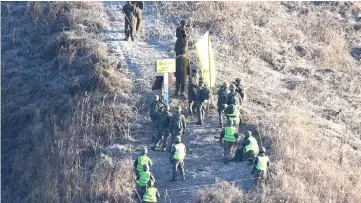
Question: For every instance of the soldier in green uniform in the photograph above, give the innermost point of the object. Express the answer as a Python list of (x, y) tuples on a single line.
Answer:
[(192, 89), (202, 96), (233, 112), (139, 6), (163, 128), (151, 193), (182, 33), (177, 126), (221, 103), (182, 70), (143, 178), (239, 88), (129, 29), (155, 109), (178, 153), (229, 135), (232, 95), (260, 165), (142, 160)]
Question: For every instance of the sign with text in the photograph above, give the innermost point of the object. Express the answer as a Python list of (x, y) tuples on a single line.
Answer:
[(165, 66)]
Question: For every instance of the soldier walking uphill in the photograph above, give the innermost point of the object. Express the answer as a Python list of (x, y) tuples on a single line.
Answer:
[(142, 160), (139, 6), (229, 134), (143, 178), (192, 89), (201, 97), (129, 29), (163, 128), (182, 70), (182, 33), (233, 113), (239, 88), (178, 153), (233, 95), (151, 193), (221, 103), (155, 109), (177, 126), (260, 165)]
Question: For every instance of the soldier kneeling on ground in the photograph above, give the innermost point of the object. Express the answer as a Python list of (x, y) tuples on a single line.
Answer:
[(143, 179), (260, 165), (247, 149), (151, 193), (142, 160)]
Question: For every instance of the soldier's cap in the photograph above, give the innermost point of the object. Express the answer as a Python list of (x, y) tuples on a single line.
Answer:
[(238, 79), (225, 84)]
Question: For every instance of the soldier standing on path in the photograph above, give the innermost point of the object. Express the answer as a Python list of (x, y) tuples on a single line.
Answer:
[(142, 160), (143, 178), (155, 110), (151, 193), (233, 113), (232, 95), (221, 103), (139, 6), (163, 128), (129, 29), (201, 97), (182, 33), (260, 165), (192, 89), (229, 135), (178, 153), (177, 126), (239, 88), (182, 70)]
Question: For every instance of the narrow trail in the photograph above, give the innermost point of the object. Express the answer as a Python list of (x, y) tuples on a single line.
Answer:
[(203, 162)]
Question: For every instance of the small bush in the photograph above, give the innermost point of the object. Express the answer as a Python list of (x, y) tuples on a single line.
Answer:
[(222, 192)]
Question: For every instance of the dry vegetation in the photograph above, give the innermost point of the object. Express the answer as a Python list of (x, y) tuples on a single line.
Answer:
[(63, 103), (303, 89)]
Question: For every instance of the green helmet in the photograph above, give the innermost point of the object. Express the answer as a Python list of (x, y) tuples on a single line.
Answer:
[(225, 84), (232, 87), (145, 167), (178, 139), (156, 97), (145, 150), (150, 183), (238, 80)]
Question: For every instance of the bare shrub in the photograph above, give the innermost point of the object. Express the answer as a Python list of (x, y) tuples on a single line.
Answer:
[(219, 193)]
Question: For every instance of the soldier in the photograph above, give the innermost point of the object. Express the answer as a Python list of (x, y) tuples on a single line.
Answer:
[(177, 126), (155, 109), (229, 134), (139, 6), (182, 69), (182, 38), (142, 160), (151, 193), (201, 97), (163, 128), (232, 95), (260, 165), (233, 113), (221, 103), (143, 178), (239, 88), (129, 10), (177, 156), (249, 148), (192, 88)]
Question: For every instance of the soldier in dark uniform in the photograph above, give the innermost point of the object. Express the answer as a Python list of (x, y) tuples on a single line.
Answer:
[(163, 128), (192, 89), (239, 88), (182, 70), (221, 103), (129, 29), (182, 33), (139, 6), (201, 96)]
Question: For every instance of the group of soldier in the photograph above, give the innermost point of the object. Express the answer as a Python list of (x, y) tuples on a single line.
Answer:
[(132, 11)]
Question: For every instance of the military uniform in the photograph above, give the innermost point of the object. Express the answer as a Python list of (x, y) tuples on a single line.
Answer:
[(163, 129), (182, 33), (177, 158), (142, 181), (139, 6), (154, 112), (240, 91), (260, 165), (233, 113), (182, 69), (221, 103), (140, 162), (192, 89), (176, 130), (229, 134), (151, 195), (249, 148), (129, 28), (201, 96), (232, 97)]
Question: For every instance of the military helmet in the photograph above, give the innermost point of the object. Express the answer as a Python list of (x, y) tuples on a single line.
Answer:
[(263, 150), (156, 97), (178, 139), (150, 183), (145, 167), (232, 87), (183, 22), (145, 150), (238, 80), (225, 84), (179, 109), (166, 107)]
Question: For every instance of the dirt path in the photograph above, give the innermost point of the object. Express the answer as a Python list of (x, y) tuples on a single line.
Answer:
[(203, 163)]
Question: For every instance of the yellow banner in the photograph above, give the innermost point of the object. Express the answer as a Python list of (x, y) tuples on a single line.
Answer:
[(205, 55), (165, 66)]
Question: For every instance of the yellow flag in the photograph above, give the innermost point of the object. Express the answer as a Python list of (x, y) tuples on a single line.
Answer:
[(205, 55)]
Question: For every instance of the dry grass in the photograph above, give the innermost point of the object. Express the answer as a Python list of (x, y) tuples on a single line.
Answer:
[(63, 103), (294, 59), (222, 192)]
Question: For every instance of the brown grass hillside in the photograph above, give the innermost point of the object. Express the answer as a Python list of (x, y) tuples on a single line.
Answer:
[(303, 87), (59, 107)]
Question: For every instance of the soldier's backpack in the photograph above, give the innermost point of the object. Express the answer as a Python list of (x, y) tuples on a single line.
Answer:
[(177, 124)]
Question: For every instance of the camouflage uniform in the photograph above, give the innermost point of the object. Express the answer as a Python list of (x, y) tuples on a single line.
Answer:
[(201, 97), (228, 144), (192, 89), (176, 130), (260, 165), (239, 89), (139, 6), (163, 128), (221, 103), (243, 153), (178, 163), (182, 38), (182, 69), (129, 29), (155, 109), (233, 112)]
